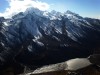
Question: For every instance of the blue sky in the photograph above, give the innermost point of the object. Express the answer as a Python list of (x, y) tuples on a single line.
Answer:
[(89, 8), (3, 5), (86, 8)]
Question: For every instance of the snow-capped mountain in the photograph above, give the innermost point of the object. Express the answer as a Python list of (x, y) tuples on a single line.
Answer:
[(52, 37)]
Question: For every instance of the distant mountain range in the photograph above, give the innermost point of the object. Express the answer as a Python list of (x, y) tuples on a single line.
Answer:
[(36, 38)]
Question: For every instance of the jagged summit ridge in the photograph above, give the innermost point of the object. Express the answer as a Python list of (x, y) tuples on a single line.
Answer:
[(48, 14)]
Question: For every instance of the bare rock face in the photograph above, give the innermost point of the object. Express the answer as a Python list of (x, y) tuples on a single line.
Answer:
[(95, 59), (2, 19)]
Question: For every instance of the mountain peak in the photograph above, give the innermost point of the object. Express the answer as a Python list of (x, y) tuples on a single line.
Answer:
[(32, 10), (72, 15), (70, 12)]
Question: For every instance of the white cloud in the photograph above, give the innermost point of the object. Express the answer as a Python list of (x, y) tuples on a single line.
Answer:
[(16, 6)]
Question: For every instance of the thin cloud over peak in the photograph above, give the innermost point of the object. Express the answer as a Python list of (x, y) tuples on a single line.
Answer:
[(16, 6)]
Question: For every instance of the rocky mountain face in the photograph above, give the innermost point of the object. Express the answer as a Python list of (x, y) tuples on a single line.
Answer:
[(35, 38)]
